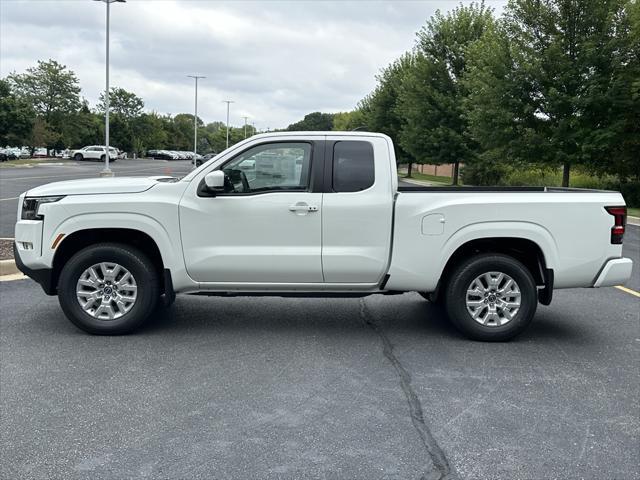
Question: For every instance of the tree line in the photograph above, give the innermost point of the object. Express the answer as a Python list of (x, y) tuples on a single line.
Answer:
[(43, 107), (550, 84)]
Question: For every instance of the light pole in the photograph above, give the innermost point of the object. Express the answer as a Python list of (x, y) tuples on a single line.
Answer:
[(228, 102), (195, 119), (106, 172), (245, 126)]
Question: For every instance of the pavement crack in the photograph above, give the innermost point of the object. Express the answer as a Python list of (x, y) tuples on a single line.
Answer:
[(444, 470)]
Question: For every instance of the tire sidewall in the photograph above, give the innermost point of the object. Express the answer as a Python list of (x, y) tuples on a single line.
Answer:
[(466, 273), (134, 261)]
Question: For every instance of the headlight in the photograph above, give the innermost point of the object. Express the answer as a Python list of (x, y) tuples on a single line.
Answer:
[(30, 206)]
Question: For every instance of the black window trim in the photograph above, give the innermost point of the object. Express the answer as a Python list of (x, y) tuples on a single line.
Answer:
[(327, 186), (314, 185)]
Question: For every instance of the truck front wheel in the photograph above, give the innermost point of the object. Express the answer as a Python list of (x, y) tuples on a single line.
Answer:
[(491, 297), (108, 289)]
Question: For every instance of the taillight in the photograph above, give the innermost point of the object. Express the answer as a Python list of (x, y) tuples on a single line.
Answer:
[(620, 221)]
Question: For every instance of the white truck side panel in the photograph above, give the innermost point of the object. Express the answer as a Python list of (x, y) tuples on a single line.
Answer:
[(571, 228), (356, 226)]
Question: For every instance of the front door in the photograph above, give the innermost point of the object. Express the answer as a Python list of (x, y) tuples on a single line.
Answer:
[(265, 227)]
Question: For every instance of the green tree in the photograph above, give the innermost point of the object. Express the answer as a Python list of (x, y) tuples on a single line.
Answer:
[(150, 131), (50, 88), (432, 93), (16, 118), (122, 102), (554, 85), (315, 121), (380, 110), (349, 121)]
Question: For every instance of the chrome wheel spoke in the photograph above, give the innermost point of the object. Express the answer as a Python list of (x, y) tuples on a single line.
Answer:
[(493, 299), (475, 303), (100, 289), (121, 306), (476, 292)]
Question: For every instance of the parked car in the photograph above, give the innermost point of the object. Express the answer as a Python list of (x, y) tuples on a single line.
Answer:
[(200, 159), (321, 214), (14, 153), (94, 152), (3, 155), (40, 152), (161, 155)]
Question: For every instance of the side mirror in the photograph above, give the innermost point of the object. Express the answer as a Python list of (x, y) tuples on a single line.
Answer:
[(214, 180)]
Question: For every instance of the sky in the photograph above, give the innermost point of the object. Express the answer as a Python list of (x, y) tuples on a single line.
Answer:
[(276, 60)]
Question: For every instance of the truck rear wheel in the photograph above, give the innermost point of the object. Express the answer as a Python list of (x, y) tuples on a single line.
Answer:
[(108, 289), (491, 297)]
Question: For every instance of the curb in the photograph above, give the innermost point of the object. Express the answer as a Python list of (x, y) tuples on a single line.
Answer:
[(633, 221), (8, 267)]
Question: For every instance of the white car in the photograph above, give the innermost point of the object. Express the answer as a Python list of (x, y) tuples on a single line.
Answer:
[(321, 213), (94, 152)]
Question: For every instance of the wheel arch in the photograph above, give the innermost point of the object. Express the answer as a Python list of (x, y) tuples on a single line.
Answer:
[(530, 244), (79, 239)]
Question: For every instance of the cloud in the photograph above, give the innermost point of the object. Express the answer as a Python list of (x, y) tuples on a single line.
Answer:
[(276, 60)]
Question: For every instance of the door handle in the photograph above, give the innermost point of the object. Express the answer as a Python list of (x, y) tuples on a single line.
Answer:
[(302, 207)]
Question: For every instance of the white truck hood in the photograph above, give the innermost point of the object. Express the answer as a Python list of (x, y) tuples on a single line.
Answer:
[(100, 186)]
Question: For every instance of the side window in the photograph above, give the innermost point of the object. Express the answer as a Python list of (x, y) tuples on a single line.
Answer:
[(353, 166), (274, 166)]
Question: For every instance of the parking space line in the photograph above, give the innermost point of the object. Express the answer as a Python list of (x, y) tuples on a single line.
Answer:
[(628, 290), (5, 199)]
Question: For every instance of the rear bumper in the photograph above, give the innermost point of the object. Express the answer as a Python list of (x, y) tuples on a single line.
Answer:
[(614, 272), (43, 276)]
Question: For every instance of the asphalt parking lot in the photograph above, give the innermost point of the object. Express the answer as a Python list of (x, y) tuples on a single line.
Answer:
[(381, 387)]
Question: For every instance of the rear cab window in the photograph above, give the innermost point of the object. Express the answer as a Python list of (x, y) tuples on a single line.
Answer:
[(353, 166)]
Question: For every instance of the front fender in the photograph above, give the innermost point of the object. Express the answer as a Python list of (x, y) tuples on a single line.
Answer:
[(170, 248)]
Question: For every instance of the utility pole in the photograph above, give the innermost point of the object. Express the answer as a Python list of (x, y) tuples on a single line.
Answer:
[(228, 102), (245, 126), (195, 119), (106, 172)]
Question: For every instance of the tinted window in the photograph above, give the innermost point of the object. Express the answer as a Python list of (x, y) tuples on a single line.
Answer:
[(275, 166), (353, 167)]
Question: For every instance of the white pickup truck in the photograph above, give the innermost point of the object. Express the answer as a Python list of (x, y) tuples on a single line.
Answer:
[(314, 213)]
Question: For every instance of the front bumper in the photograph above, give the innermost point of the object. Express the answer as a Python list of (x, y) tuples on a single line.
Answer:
[(614, 272), (43, 276)]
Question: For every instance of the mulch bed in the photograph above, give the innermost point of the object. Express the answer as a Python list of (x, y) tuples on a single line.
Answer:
[(6, 249)]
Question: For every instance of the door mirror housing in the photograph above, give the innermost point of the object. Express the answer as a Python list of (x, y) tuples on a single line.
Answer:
[(214, 180)]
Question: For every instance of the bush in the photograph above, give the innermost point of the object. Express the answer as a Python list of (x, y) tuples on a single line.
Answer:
[(484, 172), (497, 173)]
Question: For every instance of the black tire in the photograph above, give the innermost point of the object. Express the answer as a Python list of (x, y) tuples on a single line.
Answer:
[(136, 262), (103, 158), (455, 296), (78, 157)]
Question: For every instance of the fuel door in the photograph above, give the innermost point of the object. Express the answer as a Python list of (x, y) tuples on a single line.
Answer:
[(433, 224)]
